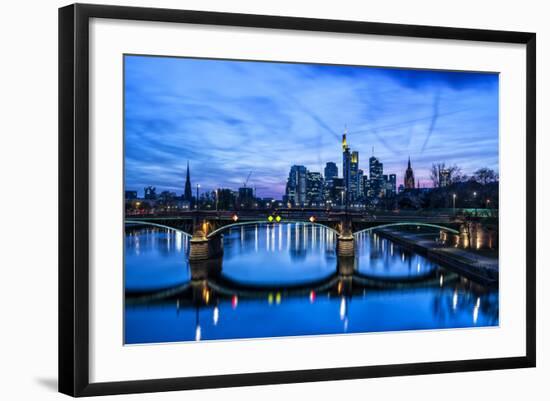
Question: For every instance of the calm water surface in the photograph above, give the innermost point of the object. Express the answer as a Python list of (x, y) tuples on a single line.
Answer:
[(283, 280)]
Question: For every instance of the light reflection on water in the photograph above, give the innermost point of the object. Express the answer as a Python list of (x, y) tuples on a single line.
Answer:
[(380, 257), (291, 255), (155, 259), (279, 254)]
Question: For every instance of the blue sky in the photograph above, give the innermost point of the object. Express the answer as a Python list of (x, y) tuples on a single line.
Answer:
[(228, 118)]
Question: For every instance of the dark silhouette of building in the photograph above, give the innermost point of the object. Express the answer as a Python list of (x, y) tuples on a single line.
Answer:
[(226, 199), (150, 193), (376, 181), (246, 197), (188, 193), (360, 184), (331, 171), (391, 188), (346, 167), (337, 191), (350, 167), (296, 186), (409, 176), (314, 188), (130, 195)]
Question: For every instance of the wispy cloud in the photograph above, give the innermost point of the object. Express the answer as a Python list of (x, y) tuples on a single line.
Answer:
[(229, 118)]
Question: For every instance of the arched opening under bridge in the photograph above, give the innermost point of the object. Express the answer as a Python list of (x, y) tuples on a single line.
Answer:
[(409, 223), (252, 223), (147, 223)]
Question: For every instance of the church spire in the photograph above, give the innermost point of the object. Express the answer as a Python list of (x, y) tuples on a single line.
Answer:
[(409, 176), (188, 194)]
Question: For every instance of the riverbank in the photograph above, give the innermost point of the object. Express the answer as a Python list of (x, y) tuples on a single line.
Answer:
[(477, 267)]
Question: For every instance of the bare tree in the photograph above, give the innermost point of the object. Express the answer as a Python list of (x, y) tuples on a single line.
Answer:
[(435, 174), (454, 174), (485, 176)]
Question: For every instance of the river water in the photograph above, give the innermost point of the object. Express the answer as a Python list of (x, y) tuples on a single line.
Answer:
[(286, 280)]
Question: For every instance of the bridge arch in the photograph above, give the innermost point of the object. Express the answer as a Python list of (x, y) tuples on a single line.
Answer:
[(147, 223), (251, 223), (407, 223)]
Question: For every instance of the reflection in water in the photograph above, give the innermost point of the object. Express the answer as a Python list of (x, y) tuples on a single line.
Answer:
[(286, 280), (272, 258), (374, 259), (155, 259)]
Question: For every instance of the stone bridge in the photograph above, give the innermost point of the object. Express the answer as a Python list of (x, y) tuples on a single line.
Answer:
[(206, 227)]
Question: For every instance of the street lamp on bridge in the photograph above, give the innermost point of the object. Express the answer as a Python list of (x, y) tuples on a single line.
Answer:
[(454, 203), (198, 186)]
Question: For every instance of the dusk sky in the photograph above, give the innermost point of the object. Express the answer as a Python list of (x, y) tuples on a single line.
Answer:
[(228, 118)]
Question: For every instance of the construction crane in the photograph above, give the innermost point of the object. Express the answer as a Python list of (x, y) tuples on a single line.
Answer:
[(247, 178)]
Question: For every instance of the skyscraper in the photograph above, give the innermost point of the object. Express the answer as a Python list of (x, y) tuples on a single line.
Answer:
[(360, 186), (350, 167), (296, 185), (354, 176), (376, 172), (366, 185), (188, 193), (314, 188), (409, 176), (331, 171), (337, 191), (392, 185), (346, 167)]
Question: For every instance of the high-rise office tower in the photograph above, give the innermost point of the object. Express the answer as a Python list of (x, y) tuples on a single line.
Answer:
[(296, 186)]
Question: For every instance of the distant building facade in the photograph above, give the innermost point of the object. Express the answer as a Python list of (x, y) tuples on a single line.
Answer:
[(296, 186), (314, 189), (245, 197), (130, 195), (350, 171), (150, 193), (331, 171), (376, 180)]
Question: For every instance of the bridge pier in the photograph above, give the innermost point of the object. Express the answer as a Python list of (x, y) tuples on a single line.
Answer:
[(203, 248), (345, 245), (346, 265), (206, 268)]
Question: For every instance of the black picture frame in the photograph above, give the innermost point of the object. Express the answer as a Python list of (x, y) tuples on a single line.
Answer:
[(74, 198)]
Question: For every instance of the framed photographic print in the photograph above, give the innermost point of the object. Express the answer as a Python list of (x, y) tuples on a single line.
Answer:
[(249, 199)]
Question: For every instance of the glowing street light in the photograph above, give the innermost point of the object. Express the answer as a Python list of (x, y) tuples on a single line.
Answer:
[(198, 186), (235, 218), (454, 203)]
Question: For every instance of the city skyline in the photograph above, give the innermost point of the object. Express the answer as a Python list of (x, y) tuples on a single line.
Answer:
[(294, 114)]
